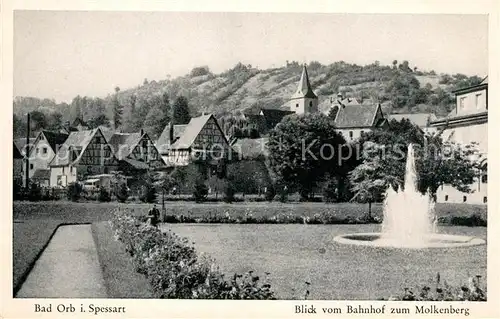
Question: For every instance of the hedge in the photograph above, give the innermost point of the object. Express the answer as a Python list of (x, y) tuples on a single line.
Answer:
[(174, 269)]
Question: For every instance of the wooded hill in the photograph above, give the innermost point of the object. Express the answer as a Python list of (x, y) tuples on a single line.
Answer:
[(399, 87)]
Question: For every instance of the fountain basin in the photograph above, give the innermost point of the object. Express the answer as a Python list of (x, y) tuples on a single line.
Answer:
[(431, 241)]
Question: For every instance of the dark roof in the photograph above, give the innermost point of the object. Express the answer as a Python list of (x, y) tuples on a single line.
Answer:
[(79, 121), (304, 89), (251, 148), (55, 139), (136, 164), (163, 142), (419, 119), (356, 116), (15, 151), (123, 144), (41, 174), (274, 116), (21, 143)]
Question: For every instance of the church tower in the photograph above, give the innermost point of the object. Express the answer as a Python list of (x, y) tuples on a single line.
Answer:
[(304, 101)]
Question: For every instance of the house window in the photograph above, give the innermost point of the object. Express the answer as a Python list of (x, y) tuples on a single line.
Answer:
[(485, 199), (310, 103), (462, 103), (71, 169), (44, 150), (297, 105), (445, 198), (351, 134), (362, 132), (98, 139), (478, 100), (42, 137), (63, 169), (37, 150), (484, 178), (31, 166), (465, 199)]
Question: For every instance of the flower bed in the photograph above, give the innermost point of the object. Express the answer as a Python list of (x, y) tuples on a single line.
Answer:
[(444, 292), (174, 269)]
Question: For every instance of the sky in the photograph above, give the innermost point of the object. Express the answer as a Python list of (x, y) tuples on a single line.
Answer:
[(61, 54)]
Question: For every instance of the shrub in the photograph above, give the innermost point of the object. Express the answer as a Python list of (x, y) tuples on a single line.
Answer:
[(34, 193), (122, 192), (270, 193), (330, 191), (229, 191), (75, 191), (174, 269), (148, 193), (472, 291), (17, 190), (200, 191), (104, 195)]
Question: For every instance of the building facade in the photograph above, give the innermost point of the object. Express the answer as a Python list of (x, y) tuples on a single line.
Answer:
[(467, 124), (353, 120), (84, 153), (41, 153)]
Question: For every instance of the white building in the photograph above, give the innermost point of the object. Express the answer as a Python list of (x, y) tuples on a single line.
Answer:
[(468, 123)]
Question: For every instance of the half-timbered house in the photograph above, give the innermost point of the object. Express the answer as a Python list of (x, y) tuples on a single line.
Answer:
[(84, 153), (201, 140), (135, 152)]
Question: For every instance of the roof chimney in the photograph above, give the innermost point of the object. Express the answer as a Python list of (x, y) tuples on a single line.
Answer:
[(171, 133), (142, 132)]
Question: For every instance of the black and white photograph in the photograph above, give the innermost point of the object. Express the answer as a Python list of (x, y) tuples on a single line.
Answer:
[(250, 155)]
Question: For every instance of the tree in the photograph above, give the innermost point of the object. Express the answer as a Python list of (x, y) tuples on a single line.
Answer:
[(38, 121), (117, 110), (121, 192), (98, 121), (180, 114), (302, 149), (437, 162), (372, 178)]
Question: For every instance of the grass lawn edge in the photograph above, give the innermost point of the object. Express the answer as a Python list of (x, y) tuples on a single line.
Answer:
[(27, 261), (120, 277)]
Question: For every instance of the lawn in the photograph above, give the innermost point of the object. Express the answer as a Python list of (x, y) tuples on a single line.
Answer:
[(120, 277), (29, 239), (36, 222), (294, 254)]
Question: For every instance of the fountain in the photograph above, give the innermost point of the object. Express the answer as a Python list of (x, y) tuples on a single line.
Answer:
[(409, 219)]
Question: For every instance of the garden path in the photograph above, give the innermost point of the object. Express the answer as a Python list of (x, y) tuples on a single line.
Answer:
[(68, 267)]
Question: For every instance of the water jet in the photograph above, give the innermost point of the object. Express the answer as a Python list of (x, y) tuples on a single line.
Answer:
[(409, 220)]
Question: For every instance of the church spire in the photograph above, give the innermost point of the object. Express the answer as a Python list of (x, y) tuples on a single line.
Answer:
[(304, 89)]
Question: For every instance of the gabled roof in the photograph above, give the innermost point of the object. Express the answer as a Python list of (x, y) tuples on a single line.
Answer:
[(191, 131), (123, 144), (55, 139), (15, 151), (274, 116), (419, 119), (304, 88), (79, 121), (41, 174), (357, 116), (135, 164), (163, 142), (21, 143), (77, 142)]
